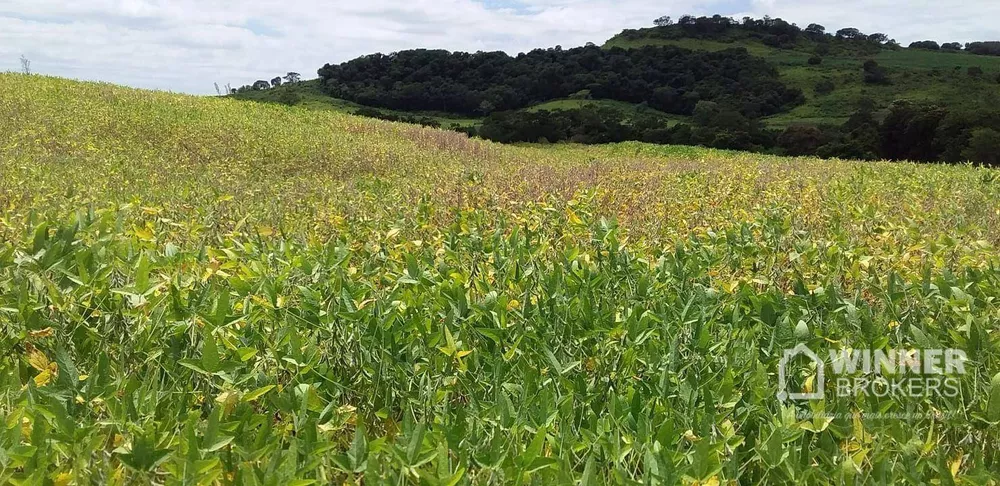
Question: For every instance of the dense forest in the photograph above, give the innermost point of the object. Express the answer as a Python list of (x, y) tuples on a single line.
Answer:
[(669, 79)]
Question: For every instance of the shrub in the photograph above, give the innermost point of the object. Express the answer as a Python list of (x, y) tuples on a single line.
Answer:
[(875, 74), (984, 147), (800, 140), (825, 87)]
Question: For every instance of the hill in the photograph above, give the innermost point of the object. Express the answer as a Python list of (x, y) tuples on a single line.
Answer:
[(915, 74), (215, 291), (763, 85)]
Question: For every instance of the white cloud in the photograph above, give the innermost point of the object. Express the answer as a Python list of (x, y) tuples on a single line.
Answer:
[(186, 45)]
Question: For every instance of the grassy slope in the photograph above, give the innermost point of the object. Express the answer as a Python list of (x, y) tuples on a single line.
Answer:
[(916, 75), (569, 104), (310, 96), (207, 289)]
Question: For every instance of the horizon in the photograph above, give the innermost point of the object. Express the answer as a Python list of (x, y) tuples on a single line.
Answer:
[(185, 46)]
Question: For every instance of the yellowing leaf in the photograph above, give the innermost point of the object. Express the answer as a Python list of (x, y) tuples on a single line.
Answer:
[(45, 377), (38, 360), (144, 234), (62, 479), (573, 218), (955, 465), (41, 333)]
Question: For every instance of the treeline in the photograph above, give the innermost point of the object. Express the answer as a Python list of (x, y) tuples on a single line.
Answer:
[(590, 124), (776, 32), (991, 48), (910, 131), (669, 79), (262, 85), (773, 32), (414, 119)]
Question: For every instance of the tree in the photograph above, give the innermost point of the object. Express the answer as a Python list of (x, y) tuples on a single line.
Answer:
[(801, 140), (276, 82), (909, 132), (663, 21), (984, 147), (25, 65), (850, 33), (875, 74), (292, 78), (927, 44), (878, 38), (951, 46), (815, 30), (990, 48), (260, 85), (459, 82)]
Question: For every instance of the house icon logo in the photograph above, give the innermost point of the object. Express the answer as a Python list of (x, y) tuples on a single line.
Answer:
[(790, 354)]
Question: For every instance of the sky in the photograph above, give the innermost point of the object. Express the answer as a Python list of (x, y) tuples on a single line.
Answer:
[(187, 45)]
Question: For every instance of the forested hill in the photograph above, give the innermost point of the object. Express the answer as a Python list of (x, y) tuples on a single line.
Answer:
[(669, 79), (761, 85)]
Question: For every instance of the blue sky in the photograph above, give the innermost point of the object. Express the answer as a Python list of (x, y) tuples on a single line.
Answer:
[(187, 45)]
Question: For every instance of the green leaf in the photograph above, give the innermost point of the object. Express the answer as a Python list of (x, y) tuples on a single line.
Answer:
[(219, 444), (534, 449), (210, 353), (40, 238), (802, 332), (142, 274), (551, 357), (69, 377), (193, 365), (249, 397), (358, 453), (767, 315), (993, 406), (246, 354), (589, 477)]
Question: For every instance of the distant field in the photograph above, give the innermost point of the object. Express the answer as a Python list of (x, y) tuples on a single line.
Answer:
[(212, 291), (307, 94), (312, 98), (617, 105)]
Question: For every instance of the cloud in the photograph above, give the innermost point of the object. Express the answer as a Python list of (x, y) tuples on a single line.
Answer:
[(904, 20), (186, 45)]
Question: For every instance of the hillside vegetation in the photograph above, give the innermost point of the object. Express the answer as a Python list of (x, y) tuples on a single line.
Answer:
[(213, 291), (915, 74), (761, 85)]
